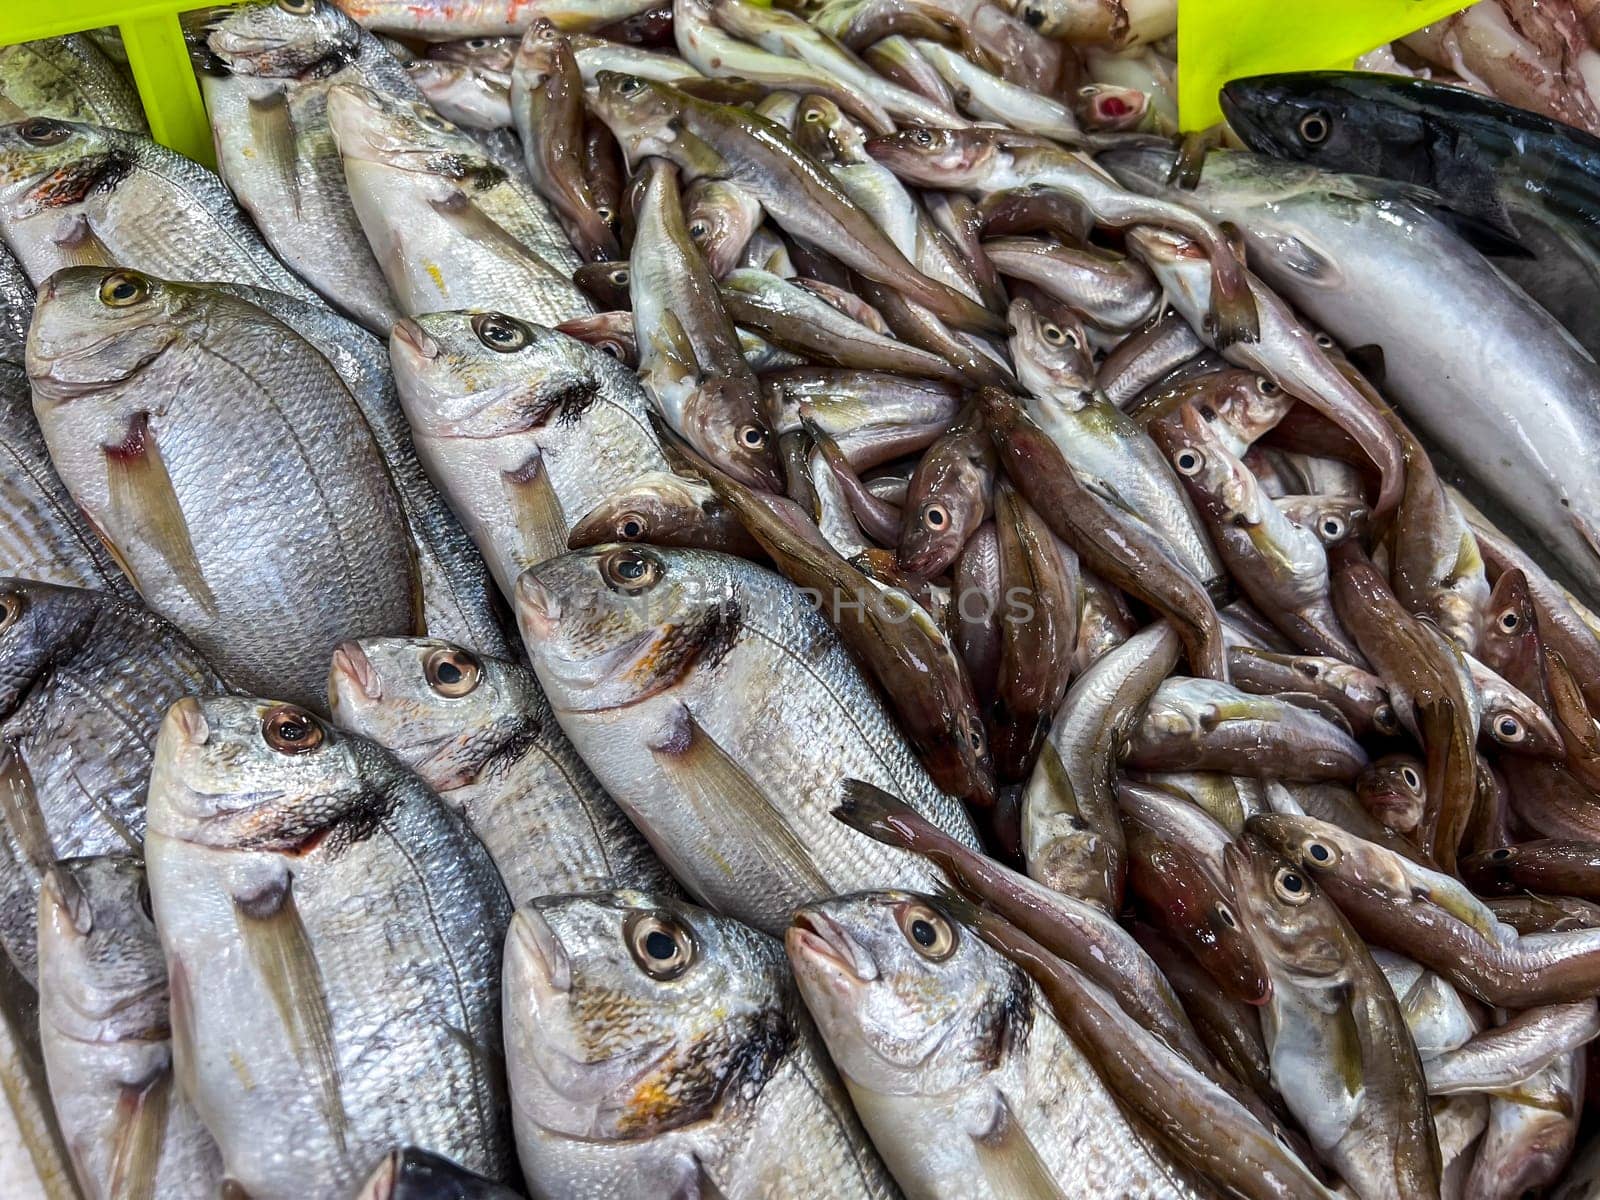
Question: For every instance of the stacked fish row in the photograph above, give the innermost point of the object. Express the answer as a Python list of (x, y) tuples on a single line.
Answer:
[(823, 483)]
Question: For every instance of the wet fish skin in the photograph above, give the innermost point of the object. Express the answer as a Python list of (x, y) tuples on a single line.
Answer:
[(481, 734), (70, 78), (722, 218), (442, 21), (1111, 542), (1357, 694), (547, 107), (949, 496), (797, 192), (465, 95), (1112, 294), (451, 227), (75, 194), (1392, 789), (671, 684), (1566, 868), (328, 921), (104, 1029), (150, 392), (268, 105), (524, 430), (413, 1174), (873, 416), (86, 678), (665, 510), (980, 1109), (725, 1088), (1341, 1055), (1531, 1132), (1071, 834)]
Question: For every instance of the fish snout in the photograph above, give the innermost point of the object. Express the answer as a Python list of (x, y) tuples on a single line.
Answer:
[(541, 950), (415, 338), (352, 668), (186, 721), (538, 608), (66, 902), (815, 935)]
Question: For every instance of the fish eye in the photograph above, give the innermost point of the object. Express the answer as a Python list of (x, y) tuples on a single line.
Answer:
[(477, 43), (1225, 915), (631, 526), (42, 131), (603, 211), (291, 730), (661, 946), (1509, 621), (629, 85), (1057, 336), (1325, 341), (922, 137), (630, 570), (975, 733), (451, 672), (1321, 853), (698, 231), (297, 8), (1315, 127), (1409, 777), (121, 289), (11, 606), (619, 278), (429, 119), (936, 516), (1267, 387), (614, 349), (752, 437), (1501, 854), (1385, 719), (1033, 16), (1189, 461), (501, 333), (1332, 528), (813, 116), (1508, 729), (928, 931), (1290, 886)]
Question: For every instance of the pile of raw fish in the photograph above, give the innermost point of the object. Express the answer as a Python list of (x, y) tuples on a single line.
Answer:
[(723, 602)]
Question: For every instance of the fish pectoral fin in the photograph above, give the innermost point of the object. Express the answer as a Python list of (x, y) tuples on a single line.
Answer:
[(19, 808), (696, 1183), (536, 509), (79, 244), (140, 1127), (1010, 1161), (145, 503), (272, 131), (725, 798), (670, 340), (276, 940)]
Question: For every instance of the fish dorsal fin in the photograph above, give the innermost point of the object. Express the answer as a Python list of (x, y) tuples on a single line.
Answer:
[(1010, 1162)]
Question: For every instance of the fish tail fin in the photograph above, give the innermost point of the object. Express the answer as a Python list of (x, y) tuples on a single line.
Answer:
[(270, 926), (142, 495), (1235, 318), (869, 809)]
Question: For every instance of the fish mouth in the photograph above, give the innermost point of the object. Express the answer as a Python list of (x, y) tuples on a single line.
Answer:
[(414, 338), (63, 894), (381, 1184), (352, 667), (817, 938), (186, 723), (538, 608), (542, 950)]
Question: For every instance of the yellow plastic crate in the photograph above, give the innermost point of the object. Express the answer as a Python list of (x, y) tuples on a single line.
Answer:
[(1218, 40)]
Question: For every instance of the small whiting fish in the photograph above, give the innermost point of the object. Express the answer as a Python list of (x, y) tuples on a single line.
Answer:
[(983, 161), (1355, 693), (1392, 790), (74, 194), (87, 677), (481, 734), (1071, 834), (722, 218), (944, 1043), (653, 1045), (105, 1031), (327, 921), (1401, 905), (267, 100), (450, 227), (690, 361), (69, 78), (874, 417), (546, 103), (1099, 441), (1532, 1130), (523, 429), (1281, 566), (469, 96), (176, 416), (662, 509), (796, 191), (949, 496), (448, 20), (685, 679), (1112, 542), (1239, 405), (990, 97), (1116, 295), (1342, 1058)]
